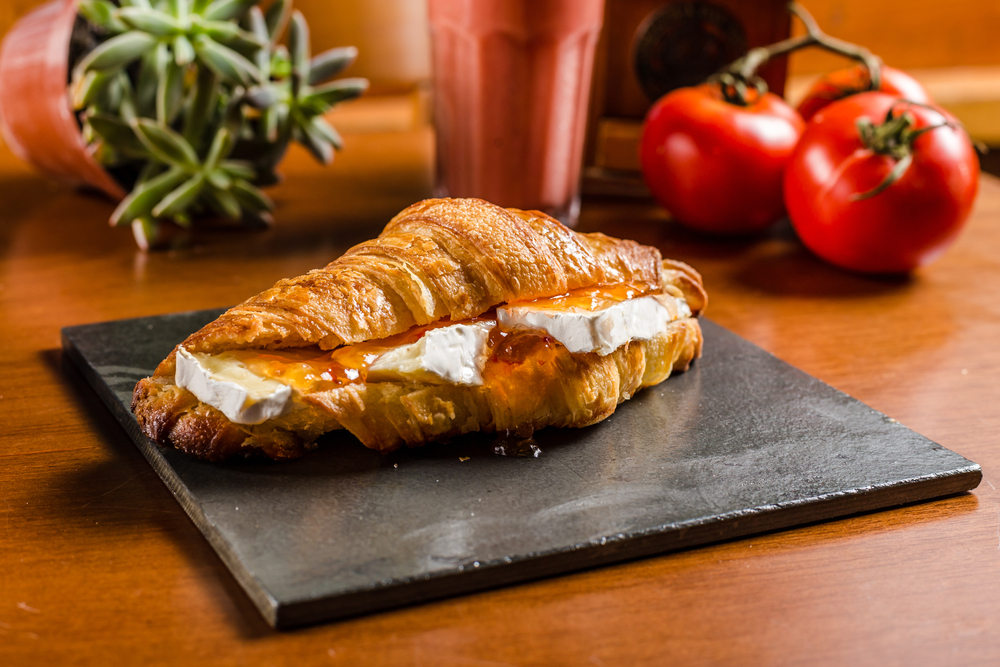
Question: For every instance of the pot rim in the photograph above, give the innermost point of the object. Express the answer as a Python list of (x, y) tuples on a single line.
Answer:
[(37, 120)]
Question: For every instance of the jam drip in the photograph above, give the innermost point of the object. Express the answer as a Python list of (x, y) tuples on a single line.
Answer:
[(518, 443)]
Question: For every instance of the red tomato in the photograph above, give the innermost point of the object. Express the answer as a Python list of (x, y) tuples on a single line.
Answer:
[(845, 82), (717, 166), (907, 224)]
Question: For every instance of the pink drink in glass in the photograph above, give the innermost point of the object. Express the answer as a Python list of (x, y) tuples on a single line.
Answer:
[(511, 88)]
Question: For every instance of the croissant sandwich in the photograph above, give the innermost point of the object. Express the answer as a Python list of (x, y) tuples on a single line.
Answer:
[(461, 316)]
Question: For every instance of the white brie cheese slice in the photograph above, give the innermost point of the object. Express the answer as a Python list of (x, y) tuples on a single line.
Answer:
[(448, 355), (226, 384), (601, 331)]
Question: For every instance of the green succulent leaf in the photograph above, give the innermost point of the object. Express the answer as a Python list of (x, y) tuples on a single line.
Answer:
[(146, 195), (277, 18), (148, 81), (178, 8), (261, 97), (85, 89), (238, 169), (222, 146), (323, 97), (151, 21), (206, 97), (180, 198), (225, 10), (330, 63), (210, 74), (258, 27), (118, 51), (250, 197), (113, 95), (126, 105), (146, 232), (166, 144), (313, 141), (281, 65), (298, 51), (118, 133), (183, 51), (225, 62), (223, 202), (219, 179), (325, 130), (101, 13), (269, 123), (170, 92), (232, 36)]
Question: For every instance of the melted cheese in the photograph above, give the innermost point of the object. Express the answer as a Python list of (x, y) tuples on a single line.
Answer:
[(243, 396), (601, 326), (252, 386), (449, 355)]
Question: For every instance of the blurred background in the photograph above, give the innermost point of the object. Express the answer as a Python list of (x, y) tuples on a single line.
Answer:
[(952, 48)]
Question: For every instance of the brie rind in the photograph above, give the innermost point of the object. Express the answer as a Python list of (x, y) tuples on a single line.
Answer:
[(227, 385), (601, 331), (454, 354)]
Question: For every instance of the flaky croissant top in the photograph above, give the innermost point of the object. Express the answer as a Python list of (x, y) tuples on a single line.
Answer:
[(437, 259)]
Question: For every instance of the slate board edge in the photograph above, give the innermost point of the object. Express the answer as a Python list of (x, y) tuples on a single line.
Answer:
[(662, 539), (257, 593), (656, 541)]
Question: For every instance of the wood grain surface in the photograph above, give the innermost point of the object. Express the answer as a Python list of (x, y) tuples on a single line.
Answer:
[(99, 564)]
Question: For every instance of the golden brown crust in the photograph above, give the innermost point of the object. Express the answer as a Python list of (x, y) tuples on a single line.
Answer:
[(567, 390), (687, 280), (174, 417), (439, 258), (436, 259)]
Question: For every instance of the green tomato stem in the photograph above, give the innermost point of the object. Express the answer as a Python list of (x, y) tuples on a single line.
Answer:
[(745, 68)]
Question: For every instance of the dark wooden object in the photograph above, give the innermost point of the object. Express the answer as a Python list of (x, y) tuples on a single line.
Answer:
[(99, 564)]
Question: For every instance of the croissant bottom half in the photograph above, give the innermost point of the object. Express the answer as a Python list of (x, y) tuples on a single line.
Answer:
[(546, 386)]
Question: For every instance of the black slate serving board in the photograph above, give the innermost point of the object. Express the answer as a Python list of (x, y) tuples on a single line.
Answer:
[(741, 443)]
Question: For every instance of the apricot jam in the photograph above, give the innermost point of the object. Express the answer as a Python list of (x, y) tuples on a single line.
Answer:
[(310, 369), (591, 298)]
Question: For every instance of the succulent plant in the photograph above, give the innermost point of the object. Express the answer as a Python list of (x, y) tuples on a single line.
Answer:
[(192, 104)]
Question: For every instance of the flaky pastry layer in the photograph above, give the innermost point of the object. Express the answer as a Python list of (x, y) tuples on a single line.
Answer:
[(550, 387), (437, 259), (454, 258)]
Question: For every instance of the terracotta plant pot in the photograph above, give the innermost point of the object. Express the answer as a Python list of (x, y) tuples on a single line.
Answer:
[(36, 117)]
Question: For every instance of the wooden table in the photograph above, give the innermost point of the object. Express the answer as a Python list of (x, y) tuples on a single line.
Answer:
[(99, 565)]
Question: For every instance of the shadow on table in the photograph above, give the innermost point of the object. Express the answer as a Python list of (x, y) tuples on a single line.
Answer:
[(136, 496)]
